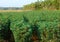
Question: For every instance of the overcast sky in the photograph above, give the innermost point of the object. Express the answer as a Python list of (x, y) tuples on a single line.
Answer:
[(14, 3)]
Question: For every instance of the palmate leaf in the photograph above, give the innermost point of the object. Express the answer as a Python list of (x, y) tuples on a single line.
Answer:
[(23, 24)]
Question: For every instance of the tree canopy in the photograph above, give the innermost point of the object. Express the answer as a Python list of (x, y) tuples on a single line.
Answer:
[(46, 4)]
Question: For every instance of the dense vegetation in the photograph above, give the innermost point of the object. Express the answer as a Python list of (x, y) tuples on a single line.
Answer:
[(39, 26), (46, 4)]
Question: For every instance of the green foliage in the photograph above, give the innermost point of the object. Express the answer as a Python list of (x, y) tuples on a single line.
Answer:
[(46, 4), (23, 25)]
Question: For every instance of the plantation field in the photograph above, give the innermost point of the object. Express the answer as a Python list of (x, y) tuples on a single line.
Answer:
[(31, 26), (13, 10)]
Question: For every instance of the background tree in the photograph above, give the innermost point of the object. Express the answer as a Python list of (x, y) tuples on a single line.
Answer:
[(48, 4)]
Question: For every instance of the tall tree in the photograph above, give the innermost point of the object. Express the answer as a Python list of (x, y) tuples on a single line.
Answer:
[(57, 4)]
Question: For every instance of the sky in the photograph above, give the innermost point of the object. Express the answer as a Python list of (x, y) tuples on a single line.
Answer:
[(15, 3)]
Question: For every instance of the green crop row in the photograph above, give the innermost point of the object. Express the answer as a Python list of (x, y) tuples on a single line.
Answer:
[(45, 25)]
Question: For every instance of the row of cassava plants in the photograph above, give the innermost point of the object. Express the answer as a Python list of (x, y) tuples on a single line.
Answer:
[(6, 34), (24, 25)]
